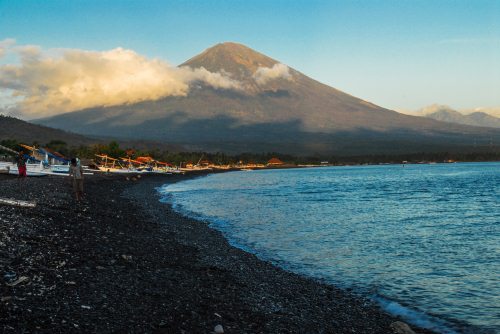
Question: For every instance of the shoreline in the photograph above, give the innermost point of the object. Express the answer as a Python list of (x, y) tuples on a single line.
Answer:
[(379, 302), (123, 261)]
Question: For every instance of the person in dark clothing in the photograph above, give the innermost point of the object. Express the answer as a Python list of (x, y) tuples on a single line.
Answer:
[(76, 175)]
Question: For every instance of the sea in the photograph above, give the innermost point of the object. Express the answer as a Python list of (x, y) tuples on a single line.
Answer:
[(421, 240)]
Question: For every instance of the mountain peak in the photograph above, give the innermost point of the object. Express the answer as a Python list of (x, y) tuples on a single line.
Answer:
[(237, 59), (231, 47)]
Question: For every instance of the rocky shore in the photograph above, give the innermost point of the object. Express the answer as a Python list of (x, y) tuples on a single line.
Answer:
[(122, 262)]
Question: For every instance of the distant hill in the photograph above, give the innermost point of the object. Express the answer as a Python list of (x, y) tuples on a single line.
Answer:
[(26, 132), (475, 118), (277, 109), (22, 131)]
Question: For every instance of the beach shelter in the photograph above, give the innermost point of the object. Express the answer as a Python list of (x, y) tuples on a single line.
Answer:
[(275, 162)]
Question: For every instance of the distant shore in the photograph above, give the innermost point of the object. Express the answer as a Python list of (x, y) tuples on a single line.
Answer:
[(121, 261)]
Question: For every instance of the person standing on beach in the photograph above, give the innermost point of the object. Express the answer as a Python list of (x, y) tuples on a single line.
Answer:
[(76, 175), (21, 165)]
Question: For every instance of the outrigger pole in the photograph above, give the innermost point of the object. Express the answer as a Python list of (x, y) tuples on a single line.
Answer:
[(8, 149)]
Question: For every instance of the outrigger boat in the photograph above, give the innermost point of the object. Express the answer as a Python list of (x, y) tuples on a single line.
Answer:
[(138, 165), (40, 162), (52, 162), (155, 166), (112, 165), (31, 169), (164, 167)]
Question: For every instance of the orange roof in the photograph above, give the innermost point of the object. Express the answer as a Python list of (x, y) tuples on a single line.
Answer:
[(275, 161), (144, 159)]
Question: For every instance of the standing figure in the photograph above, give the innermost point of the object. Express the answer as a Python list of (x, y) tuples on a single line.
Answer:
[(76, 175), (21, 165)]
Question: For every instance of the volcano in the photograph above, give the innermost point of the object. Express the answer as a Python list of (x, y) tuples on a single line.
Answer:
[(275, 108)]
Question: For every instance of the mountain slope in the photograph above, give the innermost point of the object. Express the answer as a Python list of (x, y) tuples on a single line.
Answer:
[(318, 106), (13, 128), (276, 108), (25, 132), (474, 119)]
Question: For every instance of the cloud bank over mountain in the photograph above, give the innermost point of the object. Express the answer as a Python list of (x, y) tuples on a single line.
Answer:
[(48, 82)]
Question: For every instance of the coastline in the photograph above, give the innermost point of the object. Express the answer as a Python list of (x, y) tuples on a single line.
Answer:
[(124, 262)]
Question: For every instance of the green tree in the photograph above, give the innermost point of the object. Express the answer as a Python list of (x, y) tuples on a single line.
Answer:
[(10, 143), (114, 150), (58, 146)]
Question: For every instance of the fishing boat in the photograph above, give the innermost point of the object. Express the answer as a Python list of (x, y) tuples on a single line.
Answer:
[(35, 169), (53, 162), (127, 165), (157, 167), (119, 166)]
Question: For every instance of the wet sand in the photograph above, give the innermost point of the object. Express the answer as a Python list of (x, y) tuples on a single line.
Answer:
[(123, 262)]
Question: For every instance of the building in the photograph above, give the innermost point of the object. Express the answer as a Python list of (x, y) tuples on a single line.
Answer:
[(275, 162)]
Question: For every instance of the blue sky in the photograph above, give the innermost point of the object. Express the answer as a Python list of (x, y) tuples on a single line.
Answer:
[(402, 55)]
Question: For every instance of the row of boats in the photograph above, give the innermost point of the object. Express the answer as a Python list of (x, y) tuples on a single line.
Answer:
[(139, 165), (43, 161)]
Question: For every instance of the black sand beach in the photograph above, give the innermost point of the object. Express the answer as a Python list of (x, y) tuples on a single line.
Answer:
[(121, 262)]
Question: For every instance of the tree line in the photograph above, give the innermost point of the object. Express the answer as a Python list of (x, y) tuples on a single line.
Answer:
[(114, 150)]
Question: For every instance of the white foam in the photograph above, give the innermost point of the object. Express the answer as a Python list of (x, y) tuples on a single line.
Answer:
[(416, 318)]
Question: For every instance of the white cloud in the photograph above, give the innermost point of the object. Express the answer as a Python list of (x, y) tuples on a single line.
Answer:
[(45, 83), (265, 74), (5, 45), (216, 80), (433, 108), (425, 110)]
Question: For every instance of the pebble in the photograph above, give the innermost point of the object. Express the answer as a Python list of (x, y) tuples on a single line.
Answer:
[(400, 327)]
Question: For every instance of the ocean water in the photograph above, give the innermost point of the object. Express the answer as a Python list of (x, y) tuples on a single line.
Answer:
[(421, 240)]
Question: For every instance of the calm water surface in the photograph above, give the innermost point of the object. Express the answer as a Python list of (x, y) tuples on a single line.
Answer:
[(422, 240)]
